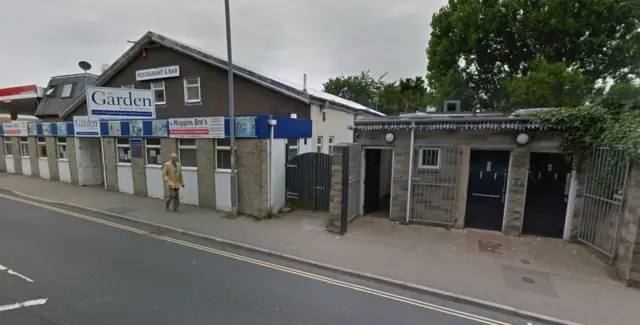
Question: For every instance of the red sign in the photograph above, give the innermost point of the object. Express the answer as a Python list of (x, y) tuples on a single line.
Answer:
[(30, 91)]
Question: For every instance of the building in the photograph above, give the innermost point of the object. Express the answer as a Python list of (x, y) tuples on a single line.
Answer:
[(21, 100), (61, 92), (190, 82)]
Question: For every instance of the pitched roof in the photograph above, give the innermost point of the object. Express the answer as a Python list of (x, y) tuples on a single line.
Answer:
[(287, 88), (53, 103)]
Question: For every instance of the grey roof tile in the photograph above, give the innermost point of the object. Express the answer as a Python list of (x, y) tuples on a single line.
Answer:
[(54, 104)]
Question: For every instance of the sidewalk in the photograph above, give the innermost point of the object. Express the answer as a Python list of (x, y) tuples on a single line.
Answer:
[(569, 284)]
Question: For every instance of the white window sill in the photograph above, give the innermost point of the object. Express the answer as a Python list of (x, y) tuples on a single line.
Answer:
[(8, 156), (194, 103), (164, 104), (24, 157), (123, 164), (222, 170), (429, 167), (63, 159), (153, 166), (43, 158), (189, 168)]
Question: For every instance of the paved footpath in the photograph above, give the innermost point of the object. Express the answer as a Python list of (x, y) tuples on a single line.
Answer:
[(569, 300)]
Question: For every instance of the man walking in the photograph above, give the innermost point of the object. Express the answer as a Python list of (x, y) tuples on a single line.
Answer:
[(172, 176)]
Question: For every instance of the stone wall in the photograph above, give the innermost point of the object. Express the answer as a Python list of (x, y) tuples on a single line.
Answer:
[(206, 174), (17, 160), (335, 197), (110, 159), (33, 156), (516, 191), (252, 176), (52, 158), (3, 162), (73, 160), (627, 263), (138, 171)]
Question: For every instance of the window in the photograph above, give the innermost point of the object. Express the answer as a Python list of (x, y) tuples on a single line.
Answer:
[(66, 90), (24, 147), (42, 147), (331, 145), (293, 148), (124, 151), (153, 151), (158, 92), (50, 91), (187, 152), (223, 154), (319, 144), (127, 87), (430, 158), (192, 90), (62, 148), (8, 147)]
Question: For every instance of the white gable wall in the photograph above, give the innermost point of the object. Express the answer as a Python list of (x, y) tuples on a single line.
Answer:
[(335, 125)]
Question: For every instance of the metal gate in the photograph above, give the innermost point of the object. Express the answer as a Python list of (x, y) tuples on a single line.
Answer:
[(308, 181), (434, 184), (605, 185)]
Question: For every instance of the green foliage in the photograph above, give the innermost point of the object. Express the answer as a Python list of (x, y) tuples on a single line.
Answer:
[(269, 213), (362, 88), (623, 95), (482, 52)]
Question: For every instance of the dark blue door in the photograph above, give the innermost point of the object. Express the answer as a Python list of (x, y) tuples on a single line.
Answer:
[(488, 174)]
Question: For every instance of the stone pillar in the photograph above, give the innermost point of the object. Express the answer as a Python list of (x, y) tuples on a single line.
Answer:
[(462, 186), (627, 263), (399, 183), (251, 162), (33, 156), (73, 160), (206, 176), (168, 146), (3, 167), (138, 171), (111, 160), (52, 158), (517, 190), (335, 197), (578, 201), (17, 159)]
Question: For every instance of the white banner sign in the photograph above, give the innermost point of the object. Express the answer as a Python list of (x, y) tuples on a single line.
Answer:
[(16, 129), (119, 103), (158, 73), (197, 127), (86, 126)]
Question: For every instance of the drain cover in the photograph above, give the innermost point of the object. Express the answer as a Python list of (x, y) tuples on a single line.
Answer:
[(490, 246), (525, 261), (528, 280)]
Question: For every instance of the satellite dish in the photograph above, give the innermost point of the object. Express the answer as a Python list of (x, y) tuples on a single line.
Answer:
[(84, 65)]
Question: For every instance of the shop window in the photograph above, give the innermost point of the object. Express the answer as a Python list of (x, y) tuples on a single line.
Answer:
[(331, 139), (158, 92), (42, 147), (292, 148), (62, 148), (153, 151), (319, 144), (66, 91), (8, 147), (187, 152), (123, 148), (430, 158), (192, 90), (223, 154), (24, 147)]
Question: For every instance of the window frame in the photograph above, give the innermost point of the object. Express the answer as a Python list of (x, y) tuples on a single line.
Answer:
[(50, 92), (330, 144), (222, 148), (24, 142), (186, 92), (126, 145), (295, 147), (319, 144), (64, 88), (193, 147), (62, 144), (42, 143), (148, 146), (5, 143), (422, 164), (164, 92)]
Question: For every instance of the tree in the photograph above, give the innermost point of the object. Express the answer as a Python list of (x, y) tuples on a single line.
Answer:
[(488, 48), (362, 89), (623, 95), (405, 95)]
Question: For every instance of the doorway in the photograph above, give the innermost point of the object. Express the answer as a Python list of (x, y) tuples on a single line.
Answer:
[(547, 195), (90, 161), (377, 181), (486, 193)]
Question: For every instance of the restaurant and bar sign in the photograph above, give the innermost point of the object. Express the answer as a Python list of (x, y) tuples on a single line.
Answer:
[(158, 73)]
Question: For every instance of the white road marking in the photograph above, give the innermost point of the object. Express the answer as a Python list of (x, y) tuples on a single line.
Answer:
[(28, 303), (12, 272)]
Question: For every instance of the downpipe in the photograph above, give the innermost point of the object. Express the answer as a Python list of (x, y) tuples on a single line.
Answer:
[(411, 140)]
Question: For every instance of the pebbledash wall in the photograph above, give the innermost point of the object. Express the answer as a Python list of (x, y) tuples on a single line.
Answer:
[(129, 157)]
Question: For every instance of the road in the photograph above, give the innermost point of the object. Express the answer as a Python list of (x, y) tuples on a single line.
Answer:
[(80, 267)]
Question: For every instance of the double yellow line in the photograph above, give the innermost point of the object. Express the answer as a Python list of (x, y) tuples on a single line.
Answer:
[(387, 295)]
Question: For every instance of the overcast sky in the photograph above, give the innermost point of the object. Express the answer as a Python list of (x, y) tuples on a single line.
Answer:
[(284, 38)]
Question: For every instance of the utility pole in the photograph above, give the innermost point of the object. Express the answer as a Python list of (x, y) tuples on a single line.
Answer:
[(232, 121)]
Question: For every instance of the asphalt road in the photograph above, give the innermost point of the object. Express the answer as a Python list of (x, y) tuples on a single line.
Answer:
[(92, 273)]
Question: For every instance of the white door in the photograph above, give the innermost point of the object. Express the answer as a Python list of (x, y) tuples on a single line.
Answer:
[(96, 161), (90, 161)]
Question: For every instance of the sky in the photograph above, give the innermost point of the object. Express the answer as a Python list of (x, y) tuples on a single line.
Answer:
[(284, 38)]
